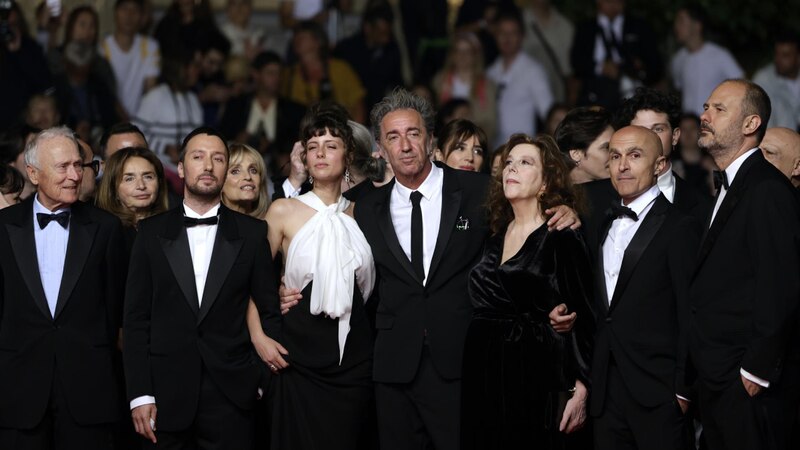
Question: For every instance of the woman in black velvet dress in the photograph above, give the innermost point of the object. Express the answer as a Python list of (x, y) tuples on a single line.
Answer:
[(518, 372)]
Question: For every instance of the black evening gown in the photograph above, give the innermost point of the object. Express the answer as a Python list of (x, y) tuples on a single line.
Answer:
[(515, 364), (316, 402)]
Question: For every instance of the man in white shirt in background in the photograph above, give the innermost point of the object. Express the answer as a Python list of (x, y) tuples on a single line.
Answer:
[(699, 66), (781, 80)]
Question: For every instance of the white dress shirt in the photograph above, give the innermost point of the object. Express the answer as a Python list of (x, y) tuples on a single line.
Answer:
[(51, 252), (201, 243), (620, 235), (431, 206), (607, 26), (666, 183), (289, 191), (730, 172), (263, 119)]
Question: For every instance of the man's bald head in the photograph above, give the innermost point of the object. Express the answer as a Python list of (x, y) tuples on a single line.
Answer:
[(635, 159), (781, 147)]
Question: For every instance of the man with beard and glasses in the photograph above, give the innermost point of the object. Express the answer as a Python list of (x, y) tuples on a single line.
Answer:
[(743, 338), (192, 376)]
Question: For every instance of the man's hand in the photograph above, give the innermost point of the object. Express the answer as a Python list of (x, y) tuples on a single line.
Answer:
[(752, 389), (560, 320), (562, 217), (297, 168), (575, 412), (144, 421), (683, 404), (289, 297)]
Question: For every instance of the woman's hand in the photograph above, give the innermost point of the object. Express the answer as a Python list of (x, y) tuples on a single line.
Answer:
[(575, 412), (271, 352)]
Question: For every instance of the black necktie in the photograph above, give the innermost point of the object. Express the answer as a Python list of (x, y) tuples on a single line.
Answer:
[(192, 222), (416, 235), (62, 218), (618, 210), (720, 179)]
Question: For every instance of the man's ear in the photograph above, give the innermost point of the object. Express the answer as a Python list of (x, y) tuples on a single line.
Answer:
[(751, 124), (180, 170), (676, 136), (661, 161), (33, 174), (438, 155)]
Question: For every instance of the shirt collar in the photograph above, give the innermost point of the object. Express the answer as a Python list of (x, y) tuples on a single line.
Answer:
[(641, 202), (666, 181), (429, 188), (733, 169), (40, 208), (189, 212)]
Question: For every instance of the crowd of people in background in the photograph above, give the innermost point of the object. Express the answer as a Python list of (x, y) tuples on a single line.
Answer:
[(516, 232)]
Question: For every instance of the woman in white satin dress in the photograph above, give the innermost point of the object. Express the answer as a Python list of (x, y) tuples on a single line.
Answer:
[(321, 357)]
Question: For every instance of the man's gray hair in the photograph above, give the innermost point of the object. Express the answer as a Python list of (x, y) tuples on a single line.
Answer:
[(397, 100), (32, 149)]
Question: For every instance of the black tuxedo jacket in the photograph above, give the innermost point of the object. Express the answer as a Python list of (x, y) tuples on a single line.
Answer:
[(287, 117), (641, 60), (75, 347), (745, 291), (169, 341), (409, 312), (644, 329)]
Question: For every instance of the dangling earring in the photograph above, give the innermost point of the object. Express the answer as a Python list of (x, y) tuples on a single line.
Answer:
[(310, 179), (347, 177)]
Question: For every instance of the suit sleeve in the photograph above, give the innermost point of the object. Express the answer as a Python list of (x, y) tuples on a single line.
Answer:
[(574, 283), (263, 287), (774, 241), (682, 254), (116, 268), (136, 319)]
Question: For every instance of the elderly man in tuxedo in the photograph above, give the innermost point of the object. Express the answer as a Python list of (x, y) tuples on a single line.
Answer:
[(745, 290), (193, 376), (644, 265), (61, 294)]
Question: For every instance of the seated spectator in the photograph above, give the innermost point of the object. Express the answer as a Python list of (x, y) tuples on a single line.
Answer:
[(170, 111), (23, 69), (211, 88), (781, 80), (91, 172), (548, 39), (316, 76), (12, 153), (583, 138), (183, 24), (42, 112), (477, 16), (134, 57), (85, 102), (463, 77), (11, 185), (457, 108), (265, 120), (246, 39), (121, 135), (462, 145), (524, 95), (554, 117), (699, 66), (246, 184), (82, 26), (328, 14), (373, 54)]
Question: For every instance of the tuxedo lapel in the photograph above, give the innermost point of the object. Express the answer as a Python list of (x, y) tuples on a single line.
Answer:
[(175, 244), (683, 199), (732, 197), (23, 244), (79, 244), (386, 226), (644, 235), (451, 202), (226, 248)]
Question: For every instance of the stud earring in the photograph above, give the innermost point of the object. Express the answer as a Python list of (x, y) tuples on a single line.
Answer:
[(347, 176), (310, 179)]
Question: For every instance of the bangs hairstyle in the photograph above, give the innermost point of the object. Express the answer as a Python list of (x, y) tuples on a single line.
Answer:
[(457, 131), (328, 118), (11, 181), (236, 154), (108, 195), (579, 128), (555, 176)]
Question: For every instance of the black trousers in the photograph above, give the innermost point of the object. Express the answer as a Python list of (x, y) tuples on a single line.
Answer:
[(58, 430), (218, 425), (624, 424), (422, 414)]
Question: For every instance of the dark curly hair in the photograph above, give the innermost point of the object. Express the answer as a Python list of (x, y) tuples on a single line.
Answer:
[(649, 99), (555, 176), (332, 118)]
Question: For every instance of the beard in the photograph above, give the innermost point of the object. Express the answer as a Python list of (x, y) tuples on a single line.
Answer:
[(204, 191)]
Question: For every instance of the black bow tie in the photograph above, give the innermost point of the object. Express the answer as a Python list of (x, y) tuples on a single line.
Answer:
[(618, 210), (190, 222), (720, 179), (62, 218)]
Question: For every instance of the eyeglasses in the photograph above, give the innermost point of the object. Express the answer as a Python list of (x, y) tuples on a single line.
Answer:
[(94, 164)]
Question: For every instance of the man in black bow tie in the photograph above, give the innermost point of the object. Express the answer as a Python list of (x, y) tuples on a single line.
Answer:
[(192, 375), (645, 255), (61, 289), (745, 290)]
